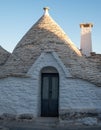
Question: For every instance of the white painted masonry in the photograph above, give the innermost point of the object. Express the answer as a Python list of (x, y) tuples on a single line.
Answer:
[(22, 95), (86, 41), (45, 60)]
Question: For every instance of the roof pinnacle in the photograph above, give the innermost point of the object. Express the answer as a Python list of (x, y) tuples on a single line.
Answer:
[(46, 10)]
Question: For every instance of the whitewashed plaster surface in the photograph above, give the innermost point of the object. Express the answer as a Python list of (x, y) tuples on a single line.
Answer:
[(23, 95)]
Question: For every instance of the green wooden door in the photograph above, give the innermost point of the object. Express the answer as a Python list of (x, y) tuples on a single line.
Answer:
[(49, 95)]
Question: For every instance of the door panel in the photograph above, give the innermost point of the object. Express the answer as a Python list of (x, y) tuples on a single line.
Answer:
[(54, 87), (45, 90), (49, 95)]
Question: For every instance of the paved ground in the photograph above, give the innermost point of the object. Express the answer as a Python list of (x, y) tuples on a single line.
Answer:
[(52, 128), (47, 126), (79, 128)]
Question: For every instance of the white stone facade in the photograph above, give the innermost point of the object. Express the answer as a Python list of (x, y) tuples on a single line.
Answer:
[(23, 95)]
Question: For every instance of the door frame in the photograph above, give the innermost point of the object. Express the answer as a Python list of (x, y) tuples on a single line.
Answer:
[(50, 74)]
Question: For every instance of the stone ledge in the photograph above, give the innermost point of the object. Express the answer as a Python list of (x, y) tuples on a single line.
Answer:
[(19, 75), (82, 118)]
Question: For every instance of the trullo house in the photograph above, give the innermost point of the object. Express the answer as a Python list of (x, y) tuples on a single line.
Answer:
[(46, 75)]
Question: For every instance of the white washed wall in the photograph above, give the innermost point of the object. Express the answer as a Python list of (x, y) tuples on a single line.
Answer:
[(17, 96), (22, 95)]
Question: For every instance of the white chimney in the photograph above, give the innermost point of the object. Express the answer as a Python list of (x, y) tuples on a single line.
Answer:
[(86, 41)]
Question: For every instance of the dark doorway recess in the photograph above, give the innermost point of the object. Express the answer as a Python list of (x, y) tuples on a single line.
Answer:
[(49, 94)]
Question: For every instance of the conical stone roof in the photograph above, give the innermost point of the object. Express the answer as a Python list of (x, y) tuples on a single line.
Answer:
[(44, 35), (3, 56)]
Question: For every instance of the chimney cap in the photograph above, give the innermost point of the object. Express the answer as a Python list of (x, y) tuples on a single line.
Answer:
[(86, 25)]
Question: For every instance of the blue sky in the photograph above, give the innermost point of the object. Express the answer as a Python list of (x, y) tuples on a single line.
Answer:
[(17, 16)]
